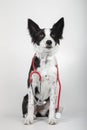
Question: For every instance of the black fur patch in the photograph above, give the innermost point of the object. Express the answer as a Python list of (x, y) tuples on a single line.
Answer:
[(57, 30), (36, 33), (25, 105)]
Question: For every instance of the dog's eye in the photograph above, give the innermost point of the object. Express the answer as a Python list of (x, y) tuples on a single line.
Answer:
[(41, 35), (52, 35)]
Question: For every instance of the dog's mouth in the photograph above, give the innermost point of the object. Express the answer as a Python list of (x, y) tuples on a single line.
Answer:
[(48, 47)]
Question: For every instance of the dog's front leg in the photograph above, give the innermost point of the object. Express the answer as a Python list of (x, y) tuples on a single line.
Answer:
[(52, 119), (30, 117)]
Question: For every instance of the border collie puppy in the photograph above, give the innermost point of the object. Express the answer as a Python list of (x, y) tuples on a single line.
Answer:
[(41, 99)]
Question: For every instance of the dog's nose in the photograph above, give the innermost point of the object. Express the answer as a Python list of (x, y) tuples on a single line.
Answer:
[(49, 42)]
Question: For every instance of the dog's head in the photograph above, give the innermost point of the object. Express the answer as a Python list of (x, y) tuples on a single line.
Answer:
[(46, 40)]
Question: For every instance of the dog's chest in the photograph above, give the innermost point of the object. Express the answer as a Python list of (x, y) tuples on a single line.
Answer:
[(47, 68), (48, 73)]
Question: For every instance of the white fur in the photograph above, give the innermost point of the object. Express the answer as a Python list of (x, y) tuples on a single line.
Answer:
[(30, 117), (48, 72)]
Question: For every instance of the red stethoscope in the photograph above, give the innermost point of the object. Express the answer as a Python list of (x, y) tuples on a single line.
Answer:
[(40, 78)]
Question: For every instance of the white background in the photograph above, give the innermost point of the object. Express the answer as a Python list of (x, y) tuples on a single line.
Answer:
[(16, 52)]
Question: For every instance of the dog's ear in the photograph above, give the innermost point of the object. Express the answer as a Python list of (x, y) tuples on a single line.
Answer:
[(58, 28), (32, 27)]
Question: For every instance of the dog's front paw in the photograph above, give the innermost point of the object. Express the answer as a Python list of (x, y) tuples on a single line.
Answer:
[(28, 120), (52, 121)]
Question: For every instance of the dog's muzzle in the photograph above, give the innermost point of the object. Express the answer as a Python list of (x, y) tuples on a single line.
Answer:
[(48, 44)]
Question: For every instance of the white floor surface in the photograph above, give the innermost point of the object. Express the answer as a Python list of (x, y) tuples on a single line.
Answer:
[(68, 121)]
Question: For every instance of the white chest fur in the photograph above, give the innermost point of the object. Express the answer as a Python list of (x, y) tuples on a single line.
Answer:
[(48, 73), (47, 67)]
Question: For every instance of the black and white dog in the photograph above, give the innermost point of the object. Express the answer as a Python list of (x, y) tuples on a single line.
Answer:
[(41, 99)]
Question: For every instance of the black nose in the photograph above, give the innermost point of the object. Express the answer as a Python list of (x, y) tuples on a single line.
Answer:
[(49, 42)]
